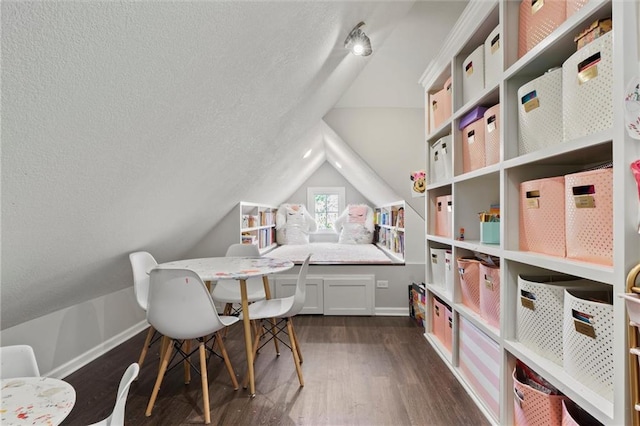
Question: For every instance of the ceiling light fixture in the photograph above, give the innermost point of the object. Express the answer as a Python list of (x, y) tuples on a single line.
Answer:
[(358, 42), (338, 165), (307, 154)]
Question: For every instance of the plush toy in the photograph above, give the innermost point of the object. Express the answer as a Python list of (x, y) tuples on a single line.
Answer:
[(293, 224), (419, 184), (355, 225)]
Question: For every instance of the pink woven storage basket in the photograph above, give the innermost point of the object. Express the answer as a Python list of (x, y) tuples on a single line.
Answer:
[(542, 221), (440, 105), (538, 19), (438, 319), (574, 5), (492, 135), (589, 216), (573, 415), (490, 294), (535, 408), (473, 146), (469, 270), (443, 216), (448, 328)]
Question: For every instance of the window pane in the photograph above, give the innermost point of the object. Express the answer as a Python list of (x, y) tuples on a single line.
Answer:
[(331, 217), (332, 202), (321, 220)]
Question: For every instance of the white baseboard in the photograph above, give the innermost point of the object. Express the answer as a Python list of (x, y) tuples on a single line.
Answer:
[(80, 361), (392, 312)]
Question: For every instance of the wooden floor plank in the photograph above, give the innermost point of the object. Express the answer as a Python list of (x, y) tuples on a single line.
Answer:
[(358, 371)]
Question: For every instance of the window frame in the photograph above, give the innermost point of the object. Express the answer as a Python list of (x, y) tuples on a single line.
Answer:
[(312, 191)]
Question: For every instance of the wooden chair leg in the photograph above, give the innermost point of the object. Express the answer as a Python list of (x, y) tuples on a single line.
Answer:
[(295, 337), (227, 361), (186, 347), (163, 368), (205, 384), (294, 351), (147, 342)]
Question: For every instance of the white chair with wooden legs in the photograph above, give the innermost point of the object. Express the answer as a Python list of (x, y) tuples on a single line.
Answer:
[(181, 308), (117, 415), (228, 291), (18, 361), (141, 263), (283, 310)]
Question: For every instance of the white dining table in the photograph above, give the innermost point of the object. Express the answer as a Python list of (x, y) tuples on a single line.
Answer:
[(35, 401), (240, 269)]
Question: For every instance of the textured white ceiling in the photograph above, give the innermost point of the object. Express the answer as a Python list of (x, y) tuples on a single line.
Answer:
[(139, 125)]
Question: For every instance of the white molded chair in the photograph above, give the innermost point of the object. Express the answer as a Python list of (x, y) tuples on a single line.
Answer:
[(117, 415), (283, 309), (181, 308), (141, 263), (18, 361), (228, 291)]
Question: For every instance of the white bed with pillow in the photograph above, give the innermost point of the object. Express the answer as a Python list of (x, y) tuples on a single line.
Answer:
[(324, 253)]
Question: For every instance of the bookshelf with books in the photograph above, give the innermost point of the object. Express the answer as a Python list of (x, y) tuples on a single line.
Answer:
[(390, 231), (257, 225)]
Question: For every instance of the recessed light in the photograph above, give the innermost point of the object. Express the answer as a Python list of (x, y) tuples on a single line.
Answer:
[(306, 154)]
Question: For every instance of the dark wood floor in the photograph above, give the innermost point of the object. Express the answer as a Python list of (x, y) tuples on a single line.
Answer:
[(357, 371)]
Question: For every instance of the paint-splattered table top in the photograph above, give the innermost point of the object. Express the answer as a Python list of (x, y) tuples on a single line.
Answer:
[(221, 268), (35, 401)]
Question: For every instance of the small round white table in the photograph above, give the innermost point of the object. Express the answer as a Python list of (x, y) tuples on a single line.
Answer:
[(35, 401), (236, 268)]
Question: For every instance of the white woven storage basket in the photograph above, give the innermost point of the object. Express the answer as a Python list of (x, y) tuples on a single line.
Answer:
[(440, 160), (493, 62), (540, 112), (473, 74), (587, 78), (540, 313), (437, 267), (588, 339)]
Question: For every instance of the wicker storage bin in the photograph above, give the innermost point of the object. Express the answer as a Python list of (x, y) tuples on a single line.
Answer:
[(492, 135), (540, 112), (587, 338), (542, 221), (473, 74), (538, 19), (539, 313), (469, 270), (440, 160), (444, 210), (490, 294), (589, 216), (587, 80), (493, 62)]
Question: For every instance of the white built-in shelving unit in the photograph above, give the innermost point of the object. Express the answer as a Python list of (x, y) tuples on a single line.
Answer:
[(389, 221), (473, 192), (257, 225)]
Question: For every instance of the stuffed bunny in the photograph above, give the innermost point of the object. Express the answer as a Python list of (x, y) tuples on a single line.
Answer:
[(293, 224)]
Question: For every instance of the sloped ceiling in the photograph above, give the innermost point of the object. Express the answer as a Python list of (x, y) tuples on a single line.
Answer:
[(139, 125)]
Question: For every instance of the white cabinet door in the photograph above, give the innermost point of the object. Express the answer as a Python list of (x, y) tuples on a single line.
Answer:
[(349, 295), (313, 304)]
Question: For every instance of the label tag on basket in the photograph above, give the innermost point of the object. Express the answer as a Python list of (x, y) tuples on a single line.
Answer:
[(530, 101), (444, 148), (471, 137), (583, 323), (435, 156), (434, 105), (491, 123), (437, 310), (536, 5), (533, 199), (583, 196), (448, 87), (527, 300), (488, 282), (527, 303), (588, 68), (469, 68), (434, 258), (449, 208), (495, 44)]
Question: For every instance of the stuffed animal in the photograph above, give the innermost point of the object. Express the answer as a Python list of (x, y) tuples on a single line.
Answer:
[(419, 184), (355, 225), (293, 224)]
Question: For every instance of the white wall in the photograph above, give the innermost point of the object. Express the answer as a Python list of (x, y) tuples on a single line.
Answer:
[(66, 340), (390, 140)]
